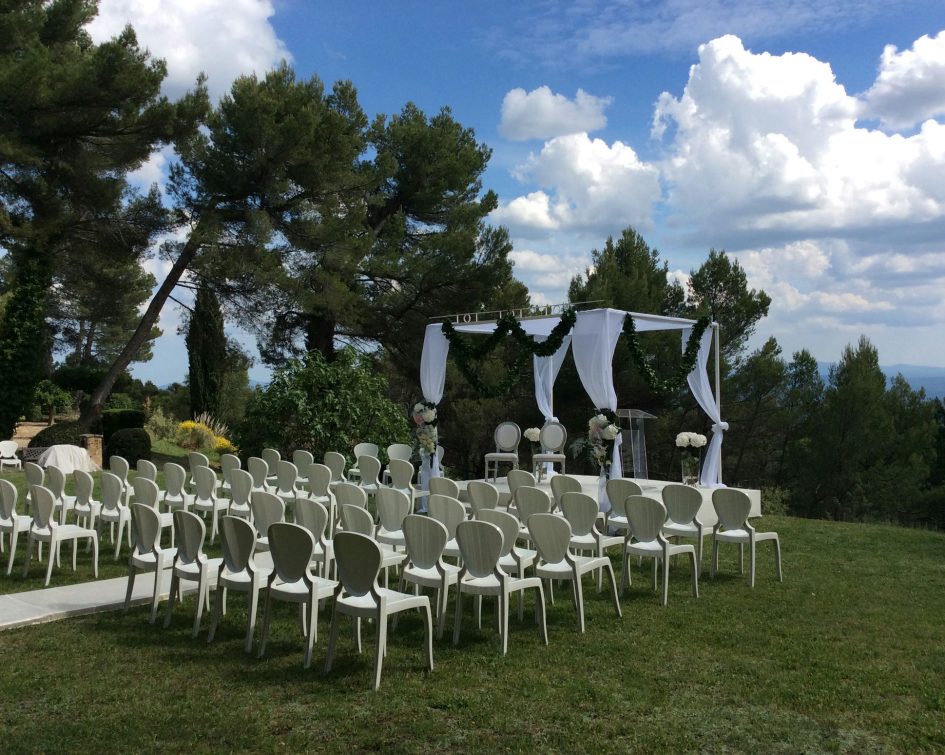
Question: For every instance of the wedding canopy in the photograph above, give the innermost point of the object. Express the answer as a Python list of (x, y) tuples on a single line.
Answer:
[(592, 341)]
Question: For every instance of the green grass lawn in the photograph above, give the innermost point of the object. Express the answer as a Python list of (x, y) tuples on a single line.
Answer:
[(846, 655)]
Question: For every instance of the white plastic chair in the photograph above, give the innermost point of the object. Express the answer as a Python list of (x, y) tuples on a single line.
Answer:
[(336, 462), (392, 506), (482, 495), (318, 479), (86, 508), (44, 529), (425, 539), (259, 469), (480, 544), (56, 484), (530, 500), (581, 511), (682, 516), (8, 457), (302, 458), (348, 494), (401, 451), (314, 517), (449, 512), (552, 537), (147, 555), (239, 572), (369, 468), (513, 558), (732, 508), (191, 565), (272, 457), (268, 508), (287, 479), (175, 481), (146, 492), (552, 438), (516, 479), (114, 510), (444, 486), (241, 486), (357, 519), (358, 595), (197, 461), (362, 449), (507, 436), (561, 484), (292, 581), (146, 469), (646, 517), (118, 466), (11, 523), (35, 475), (205, 498), (228, 463), (401, 477), (619, 489)]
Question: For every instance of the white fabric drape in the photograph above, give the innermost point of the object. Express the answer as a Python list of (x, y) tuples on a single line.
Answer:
[(546, 372), (432, 382), (68, 459), (595, 337), (698, 379)]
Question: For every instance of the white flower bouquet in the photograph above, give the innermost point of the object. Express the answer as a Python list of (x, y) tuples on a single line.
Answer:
[(690, 443), (424, 417), (598, 446)]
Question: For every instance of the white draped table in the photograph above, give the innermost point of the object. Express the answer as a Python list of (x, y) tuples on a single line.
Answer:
[(68, 459), (652, 488)]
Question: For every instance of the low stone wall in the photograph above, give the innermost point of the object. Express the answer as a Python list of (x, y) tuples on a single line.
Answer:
[(24, 432)]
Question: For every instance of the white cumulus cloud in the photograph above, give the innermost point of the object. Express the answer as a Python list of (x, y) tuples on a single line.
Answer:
[(542, 114), (910, 86), (222, 38)]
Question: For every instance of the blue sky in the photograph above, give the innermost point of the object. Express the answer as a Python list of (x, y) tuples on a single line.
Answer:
[(805, 137)]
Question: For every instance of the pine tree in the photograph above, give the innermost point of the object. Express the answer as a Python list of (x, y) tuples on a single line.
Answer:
[(206, 353)]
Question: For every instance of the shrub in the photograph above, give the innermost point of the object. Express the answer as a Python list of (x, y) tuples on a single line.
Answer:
[(161, 427), (121, 419), (132, 443), (63, 433), (119, 401), (322, 406), (195, 436)]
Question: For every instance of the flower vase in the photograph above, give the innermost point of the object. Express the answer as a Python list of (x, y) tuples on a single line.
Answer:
[(690, 469), (603, 500)]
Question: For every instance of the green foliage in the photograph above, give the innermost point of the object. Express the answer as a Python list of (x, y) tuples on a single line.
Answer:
[(77, 377), (119, 402), (160, 427), (131, 443), (62, 433), (50, 397), (114, 420), (195, 436), (206, 352), (322, 406)]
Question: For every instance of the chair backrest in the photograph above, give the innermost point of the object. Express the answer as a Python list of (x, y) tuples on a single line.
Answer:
[(425, 539), (517, 478), (359, 560), (370, 467), (313, 516), (482, 495), (55, 481), (287, 474), (682, 502), (238, 539), (645, 517), (272, 457), (401, 473), (118, 465), (480, 545), (259, 469), (439, 452), (619, 489), (552, 437), (336, 463), (291, 546), (401, 451), (349, 494), (507, 436), (268, 508), (8, 496), (444, 486), (366, 449), (448, 511), (35, 474), (241, 486), (196, 459), (504, 521), (229, 462), (146, 469), (146, 491), (8, 449), (561, 484), (190, 532), (392, 506), (302, 458), (205, 482), (319, 478), (551, 535), (581, 512), (732, 507), (43, 502), (530, 500), (356, 519), (111, 492), (145, 529), (84, 485), (175, 477)]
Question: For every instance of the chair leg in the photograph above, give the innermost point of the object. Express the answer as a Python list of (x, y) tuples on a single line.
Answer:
[(381, 647), (777, 559), (131, 585), (715, 559), (312, 634), (332, 639), (253, 604), (13, 536), (429, 643), (579, 601), (540, 607), (215, 614), (202, 591), (665, 597), (695, 575), (157, 591), (53, 551), (457, 614), (504, 618), (267, 615), (625, 573), (613, 588), (169, 608)]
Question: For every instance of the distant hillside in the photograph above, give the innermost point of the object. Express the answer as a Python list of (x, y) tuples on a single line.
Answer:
[(932, 379)]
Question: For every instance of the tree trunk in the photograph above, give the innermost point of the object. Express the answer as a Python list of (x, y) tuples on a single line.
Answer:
[(94, 409), (320, 334)]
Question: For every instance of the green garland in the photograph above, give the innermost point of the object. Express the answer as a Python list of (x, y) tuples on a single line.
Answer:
[(465, 354), (674, 382)]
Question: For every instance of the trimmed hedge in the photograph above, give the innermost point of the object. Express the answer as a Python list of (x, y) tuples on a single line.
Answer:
[(131, 443), (121, 419), (62, 433)]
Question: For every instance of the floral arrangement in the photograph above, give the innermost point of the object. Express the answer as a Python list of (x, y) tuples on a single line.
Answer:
[(424, 417), (690, 440), (598, 446), (690, 458)]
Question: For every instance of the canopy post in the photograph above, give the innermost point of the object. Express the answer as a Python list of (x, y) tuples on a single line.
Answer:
[(718, 381)]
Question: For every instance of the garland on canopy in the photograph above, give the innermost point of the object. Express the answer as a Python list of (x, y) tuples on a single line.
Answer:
[(675, 381), (465, 353)]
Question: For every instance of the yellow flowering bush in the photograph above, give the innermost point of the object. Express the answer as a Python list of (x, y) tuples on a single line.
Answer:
[(197, 435)]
